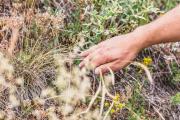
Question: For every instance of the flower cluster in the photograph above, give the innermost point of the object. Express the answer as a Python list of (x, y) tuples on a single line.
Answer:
[(147, 61), (117, 104)]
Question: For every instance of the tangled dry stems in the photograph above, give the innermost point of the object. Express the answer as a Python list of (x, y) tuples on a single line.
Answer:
[(37, 88)]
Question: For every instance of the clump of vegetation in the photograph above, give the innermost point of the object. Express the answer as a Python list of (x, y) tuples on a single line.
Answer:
[(176, 99), (39, 73)]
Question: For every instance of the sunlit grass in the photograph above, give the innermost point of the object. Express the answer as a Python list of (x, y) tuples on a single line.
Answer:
[(39, 73)]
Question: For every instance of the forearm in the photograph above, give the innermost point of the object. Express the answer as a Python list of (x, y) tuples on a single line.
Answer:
[(163, 30)]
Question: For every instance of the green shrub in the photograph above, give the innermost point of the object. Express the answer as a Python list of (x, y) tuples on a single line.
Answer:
[(175, 100)]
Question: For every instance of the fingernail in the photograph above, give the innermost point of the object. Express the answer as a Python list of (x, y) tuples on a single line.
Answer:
[(97, 71), (81, 64)]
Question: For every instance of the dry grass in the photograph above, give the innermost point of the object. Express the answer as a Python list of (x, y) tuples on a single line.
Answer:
[(39, 76)]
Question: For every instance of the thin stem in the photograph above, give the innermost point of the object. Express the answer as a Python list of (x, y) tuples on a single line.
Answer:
[(92, 101), (106, 115)]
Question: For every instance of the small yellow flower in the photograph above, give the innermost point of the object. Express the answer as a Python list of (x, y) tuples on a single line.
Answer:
[(120, 105), (116, 98), (112, 111), (147, 61), (106, 104)]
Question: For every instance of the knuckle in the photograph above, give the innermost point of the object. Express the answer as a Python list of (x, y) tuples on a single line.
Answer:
[(102, 53)]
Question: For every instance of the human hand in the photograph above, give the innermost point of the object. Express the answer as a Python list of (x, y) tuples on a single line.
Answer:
[(114, 53)]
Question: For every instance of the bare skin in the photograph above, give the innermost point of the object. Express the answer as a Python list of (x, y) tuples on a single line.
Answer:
[(119, 51)]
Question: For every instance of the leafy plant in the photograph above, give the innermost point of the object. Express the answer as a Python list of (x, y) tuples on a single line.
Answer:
[(42, 80), (175, 100)]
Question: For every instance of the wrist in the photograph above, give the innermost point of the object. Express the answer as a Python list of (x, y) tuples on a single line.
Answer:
[(146, 36), (141, 38)]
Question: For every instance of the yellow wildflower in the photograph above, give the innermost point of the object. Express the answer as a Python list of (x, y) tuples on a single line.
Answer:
[(120, 105), (116, 98), (147, 61), (112, 111), (106, 104)]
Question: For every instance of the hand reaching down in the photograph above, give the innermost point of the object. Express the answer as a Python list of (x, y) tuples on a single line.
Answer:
[(119, 51), (114, 53)]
